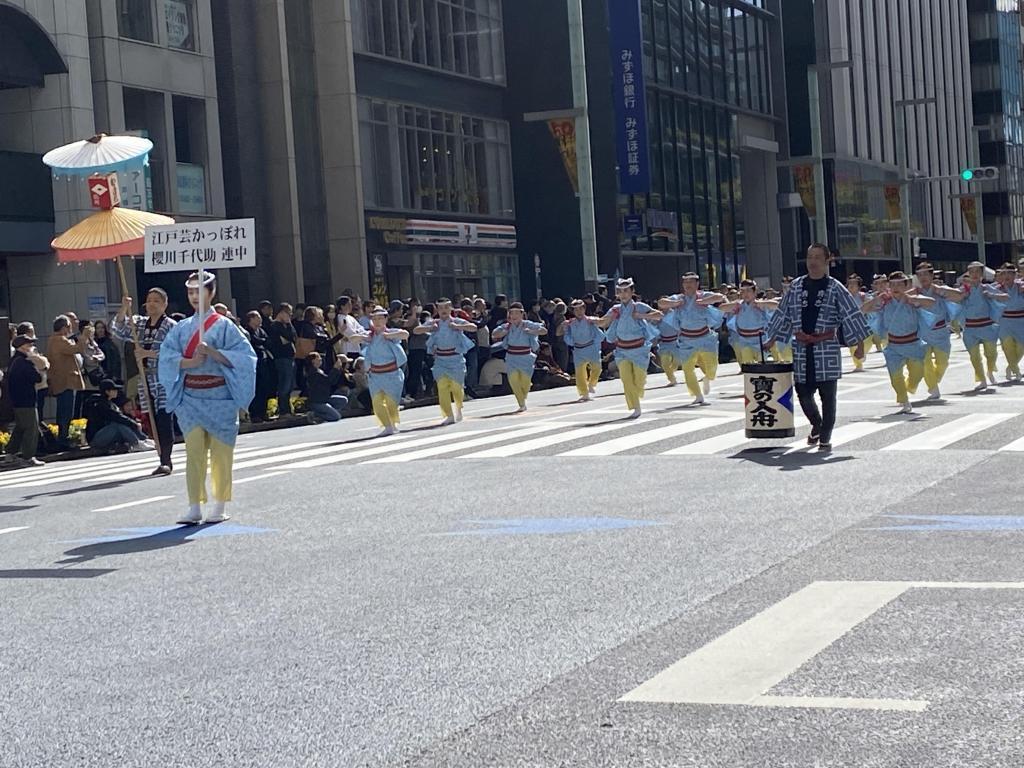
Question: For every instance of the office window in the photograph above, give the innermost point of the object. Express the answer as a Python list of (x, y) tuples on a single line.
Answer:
[(180, 16), (420, 159), (461, 36), (135, 20), (190, 149), (144, 114)]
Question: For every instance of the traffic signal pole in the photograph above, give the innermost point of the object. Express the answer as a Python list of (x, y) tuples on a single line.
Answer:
[(979, 201)]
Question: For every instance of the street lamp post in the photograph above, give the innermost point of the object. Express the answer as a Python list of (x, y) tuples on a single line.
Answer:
[(906, 240), (584, 166), (814, 102)]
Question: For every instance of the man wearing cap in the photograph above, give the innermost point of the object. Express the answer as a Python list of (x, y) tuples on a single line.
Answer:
[(696, 314), (208, 368), (385, 357), (820, 314), (108, 427), (981, 332), (630, 327), (519, 338), (25, 372), (448, 344), (150, 330), (936, 335), (584, 338)]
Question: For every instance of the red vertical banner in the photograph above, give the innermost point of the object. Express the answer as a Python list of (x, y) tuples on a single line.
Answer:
[(970, 211), (892, 201), (803, 175), (564, 132)]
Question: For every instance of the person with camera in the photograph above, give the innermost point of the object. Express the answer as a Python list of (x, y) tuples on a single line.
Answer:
[(65, 375), (322, 400), (27, 370), (108, 428)]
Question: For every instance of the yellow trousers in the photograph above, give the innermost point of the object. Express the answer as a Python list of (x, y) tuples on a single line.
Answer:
[(707, 361), (670, 364), (385, 409), (203, 450), (991, 356), (747, 355), (520, 381), (588, 373), (858, 362), (782, 354), (634, 379), (449, 392), (936, 361), (905, 386), (1013, 350)]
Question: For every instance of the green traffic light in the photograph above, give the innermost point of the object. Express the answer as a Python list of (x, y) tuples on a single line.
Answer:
[(967, 174)]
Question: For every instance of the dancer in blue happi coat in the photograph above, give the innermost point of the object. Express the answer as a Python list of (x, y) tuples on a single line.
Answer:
[(698, 318), (383, 353), (518, 337), (1011, 323), (980, 313), (630, 327), (748, 319), (584, 338), (901, 317), (448, 344), (207, 382), (937, 335)]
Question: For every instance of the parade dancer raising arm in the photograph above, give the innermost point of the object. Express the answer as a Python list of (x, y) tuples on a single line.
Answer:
[(937, 336), (1011, 323), (207, 383), (698, 320), (448, 344), (817, 311), (629, 325), (384, 354), (751, 318), (981, 332), (584, 338), (518, 337)]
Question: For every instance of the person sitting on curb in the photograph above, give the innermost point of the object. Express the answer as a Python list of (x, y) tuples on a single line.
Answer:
[(108, 427), (322, 401)]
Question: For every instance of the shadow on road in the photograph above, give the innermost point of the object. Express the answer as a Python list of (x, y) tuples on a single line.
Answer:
[(172, 537), (56, 573), (784, 461)]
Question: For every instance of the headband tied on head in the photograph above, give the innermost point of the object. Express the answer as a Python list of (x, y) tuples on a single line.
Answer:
[(379, 311), (577, 303), (209, 280), (691, 276), (625, 282)]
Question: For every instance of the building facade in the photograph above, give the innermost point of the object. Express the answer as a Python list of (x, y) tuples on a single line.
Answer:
[(74, 69), (996, 78), (873, 55), (385, 122)]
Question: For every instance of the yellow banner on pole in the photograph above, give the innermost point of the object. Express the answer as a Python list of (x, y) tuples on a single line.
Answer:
[(564, 132), (803, 175), (892, 201), (970, 211)]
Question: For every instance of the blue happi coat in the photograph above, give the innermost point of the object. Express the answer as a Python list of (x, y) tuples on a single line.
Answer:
[(1011, 324), (585, 338), (213, 408), (632, 337), (837, 311), (746, 327), (380, 352), (520, 347), (979, 312), (943, 312), (902, 323), (448, 345), (698, 326)]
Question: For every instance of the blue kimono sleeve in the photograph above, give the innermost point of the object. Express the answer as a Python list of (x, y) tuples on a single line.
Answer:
[(925, 322), (241, 375), (715, 318), (953, 310), (501, 343)]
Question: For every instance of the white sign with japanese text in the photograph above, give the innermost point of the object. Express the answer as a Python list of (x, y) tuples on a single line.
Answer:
[(210, 245)]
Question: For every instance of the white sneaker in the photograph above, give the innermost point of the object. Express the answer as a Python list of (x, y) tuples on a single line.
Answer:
[(636, 413), (217, 515), (934, 394), (521, 409), (448, 421), (142, 445), (387, 431), (592, 390), (698, 400), (672, 383), (584, 399), (906, 408), (194, 516), (458, 414), (982, 386), (705, 386)]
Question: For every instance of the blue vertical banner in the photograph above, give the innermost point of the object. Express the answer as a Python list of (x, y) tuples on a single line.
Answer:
[(629, 95)]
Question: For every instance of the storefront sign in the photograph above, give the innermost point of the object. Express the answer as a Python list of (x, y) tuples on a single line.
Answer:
[(97, 308), (629, 96), (191, 188), (395, 231), (633, 225), (210, 244)]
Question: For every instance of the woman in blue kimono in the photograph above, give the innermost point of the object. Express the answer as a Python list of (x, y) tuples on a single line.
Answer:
[(207, 383), (584, 338), (448, 344), (383, 353), (901, 316), (518, 337), (630, 327)]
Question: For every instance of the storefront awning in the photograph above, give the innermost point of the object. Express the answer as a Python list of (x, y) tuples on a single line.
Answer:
[(27, 54)]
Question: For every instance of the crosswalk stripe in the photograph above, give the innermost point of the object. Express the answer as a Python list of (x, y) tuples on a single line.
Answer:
[(620, 444), (342, 454), (850, 432), (459, 445), (14, 530), (1016, 445), (537, 443), (711, 445), (130, 504), (947, 434), (61, 470)]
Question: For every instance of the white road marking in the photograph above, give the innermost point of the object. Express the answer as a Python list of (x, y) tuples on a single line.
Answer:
[(712, 445), (130, 504), (525, 446), (621, 444), (741, 666), (851, 432), (959, 429), (1016, 445), (399, 442), (456, 445), (13, 530), (260, 477)]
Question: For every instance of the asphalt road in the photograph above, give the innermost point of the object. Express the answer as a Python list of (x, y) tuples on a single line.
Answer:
[(557, 588)]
